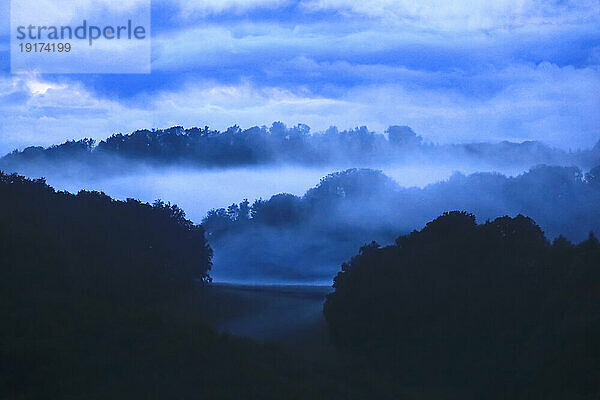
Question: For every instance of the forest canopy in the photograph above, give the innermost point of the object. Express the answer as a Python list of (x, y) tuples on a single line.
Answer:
[(102, 299), (297, 145), (305, 238), (478, 305)]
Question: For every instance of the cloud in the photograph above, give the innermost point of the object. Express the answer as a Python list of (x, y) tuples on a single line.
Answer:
[(464, 14), (548, 103), (37, 112), (455, 71), (556, 105), (254, 50), (51, 12), (194, 8)]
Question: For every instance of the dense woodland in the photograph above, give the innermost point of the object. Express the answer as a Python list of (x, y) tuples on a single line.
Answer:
[(312, 234), (104, 299), (494, 307), (100, 299), (204, 147)]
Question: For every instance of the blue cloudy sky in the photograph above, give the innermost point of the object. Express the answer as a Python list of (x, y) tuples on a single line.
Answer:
[(454, 71)]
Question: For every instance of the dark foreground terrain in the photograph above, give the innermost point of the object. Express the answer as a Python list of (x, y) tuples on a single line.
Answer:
[(102, 299), (113, 299), (289, 315)]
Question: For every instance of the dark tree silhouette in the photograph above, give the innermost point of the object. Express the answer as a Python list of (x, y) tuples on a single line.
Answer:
[(288, 145), (316, 232), (101, 299), (491, 307), (593, 177)]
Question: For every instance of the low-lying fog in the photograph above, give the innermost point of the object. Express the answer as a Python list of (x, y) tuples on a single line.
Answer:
[(198, 190), (304, 240)]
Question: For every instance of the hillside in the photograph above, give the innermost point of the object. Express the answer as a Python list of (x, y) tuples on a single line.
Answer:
[(102, 299), (495, 309), (290, 238), (280, 145)]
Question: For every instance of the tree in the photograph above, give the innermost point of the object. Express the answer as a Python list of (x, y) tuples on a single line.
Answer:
[(244, 211), (233, 211), (457, 300), (403, 136), (593, 177)]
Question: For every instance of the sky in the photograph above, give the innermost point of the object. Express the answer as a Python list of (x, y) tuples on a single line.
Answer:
[(460, 71)]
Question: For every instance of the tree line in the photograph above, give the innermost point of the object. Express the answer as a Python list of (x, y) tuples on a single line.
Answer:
[(313, 233), (102, 299), (292, 145), (495, 308)]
